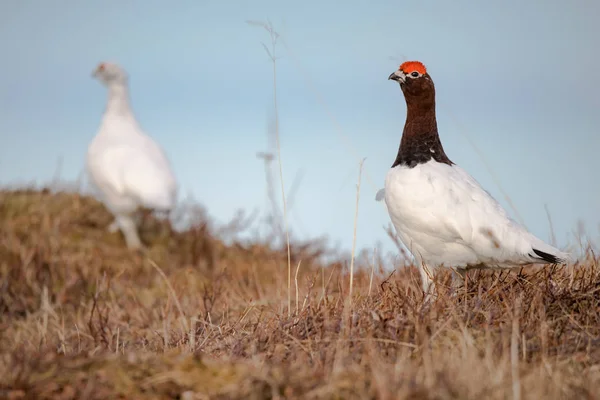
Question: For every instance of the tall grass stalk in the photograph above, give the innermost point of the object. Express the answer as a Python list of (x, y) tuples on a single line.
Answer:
[(355, 225), (268, 26)]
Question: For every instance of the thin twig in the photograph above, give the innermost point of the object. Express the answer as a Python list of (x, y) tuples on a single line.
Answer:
[(296, 283), (173, 294), (355, 225), (321, 100), (552, 234), (488, 167), (514, 352), (372, 271), (274, 36)]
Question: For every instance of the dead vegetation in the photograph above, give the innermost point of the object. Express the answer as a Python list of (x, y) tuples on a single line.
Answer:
[(197, 317)]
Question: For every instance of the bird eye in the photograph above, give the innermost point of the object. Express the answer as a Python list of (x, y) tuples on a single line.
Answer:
[(415, 74)]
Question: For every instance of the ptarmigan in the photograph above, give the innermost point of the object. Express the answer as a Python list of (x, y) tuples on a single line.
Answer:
[(125, 164), (440, 212)]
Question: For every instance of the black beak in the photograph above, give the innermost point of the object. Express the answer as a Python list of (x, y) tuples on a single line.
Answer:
[(393, 77)]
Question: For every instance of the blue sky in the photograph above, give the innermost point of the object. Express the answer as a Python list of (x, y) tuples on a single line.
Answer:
[(517, 79)]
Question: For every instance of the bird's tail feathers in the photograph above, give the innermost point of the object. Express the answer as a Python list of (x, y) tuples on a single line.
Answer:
[(550, 255)]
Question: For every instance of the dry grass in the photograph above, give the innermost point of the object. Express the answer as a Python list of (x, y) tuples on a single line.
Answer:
[(195, 318)]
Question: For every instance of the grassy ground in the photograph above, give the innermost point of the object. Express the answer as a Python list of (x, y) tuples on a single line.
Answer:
[(195, 318)]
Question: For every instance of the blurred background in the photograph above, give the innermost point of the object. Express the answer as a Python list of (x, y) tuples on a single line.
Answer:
[(517, 91)]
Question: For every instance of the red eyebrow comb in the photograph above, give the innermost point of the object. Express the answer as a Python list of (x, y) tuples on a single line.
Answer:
[(411, 66)]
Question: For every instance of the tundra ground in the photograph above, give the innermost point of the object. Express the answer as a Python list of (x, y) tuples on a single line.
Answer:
[(199, 316)]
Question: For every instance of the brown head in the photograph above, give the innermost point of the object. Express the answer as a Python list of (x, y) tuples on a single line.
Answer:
[(415, 82), (420, 140)]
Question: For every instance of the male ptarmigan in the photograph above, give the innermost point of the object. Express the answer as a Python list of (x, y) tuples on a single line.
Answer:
[(440, 212), (125, 164)]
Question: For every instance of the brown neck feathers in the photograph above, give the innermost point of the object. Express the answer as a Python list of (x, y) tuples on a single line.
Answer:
[(420, 140)]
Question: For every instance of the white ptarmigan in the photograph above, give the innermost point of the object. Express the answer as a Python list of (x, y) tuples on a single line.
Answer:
[(441, 214), (127, 166)]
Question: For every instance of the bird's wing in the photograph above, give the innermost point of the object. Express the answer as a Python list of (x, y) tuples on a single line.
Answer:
[(104, 167), (486, 227), (134, 167), (147, 175), (443, 206)]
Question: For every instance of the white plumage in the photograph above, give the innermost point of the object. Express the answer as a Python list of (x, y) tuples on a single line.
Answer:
[(127, 166), (445, 218), (440, 212)]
